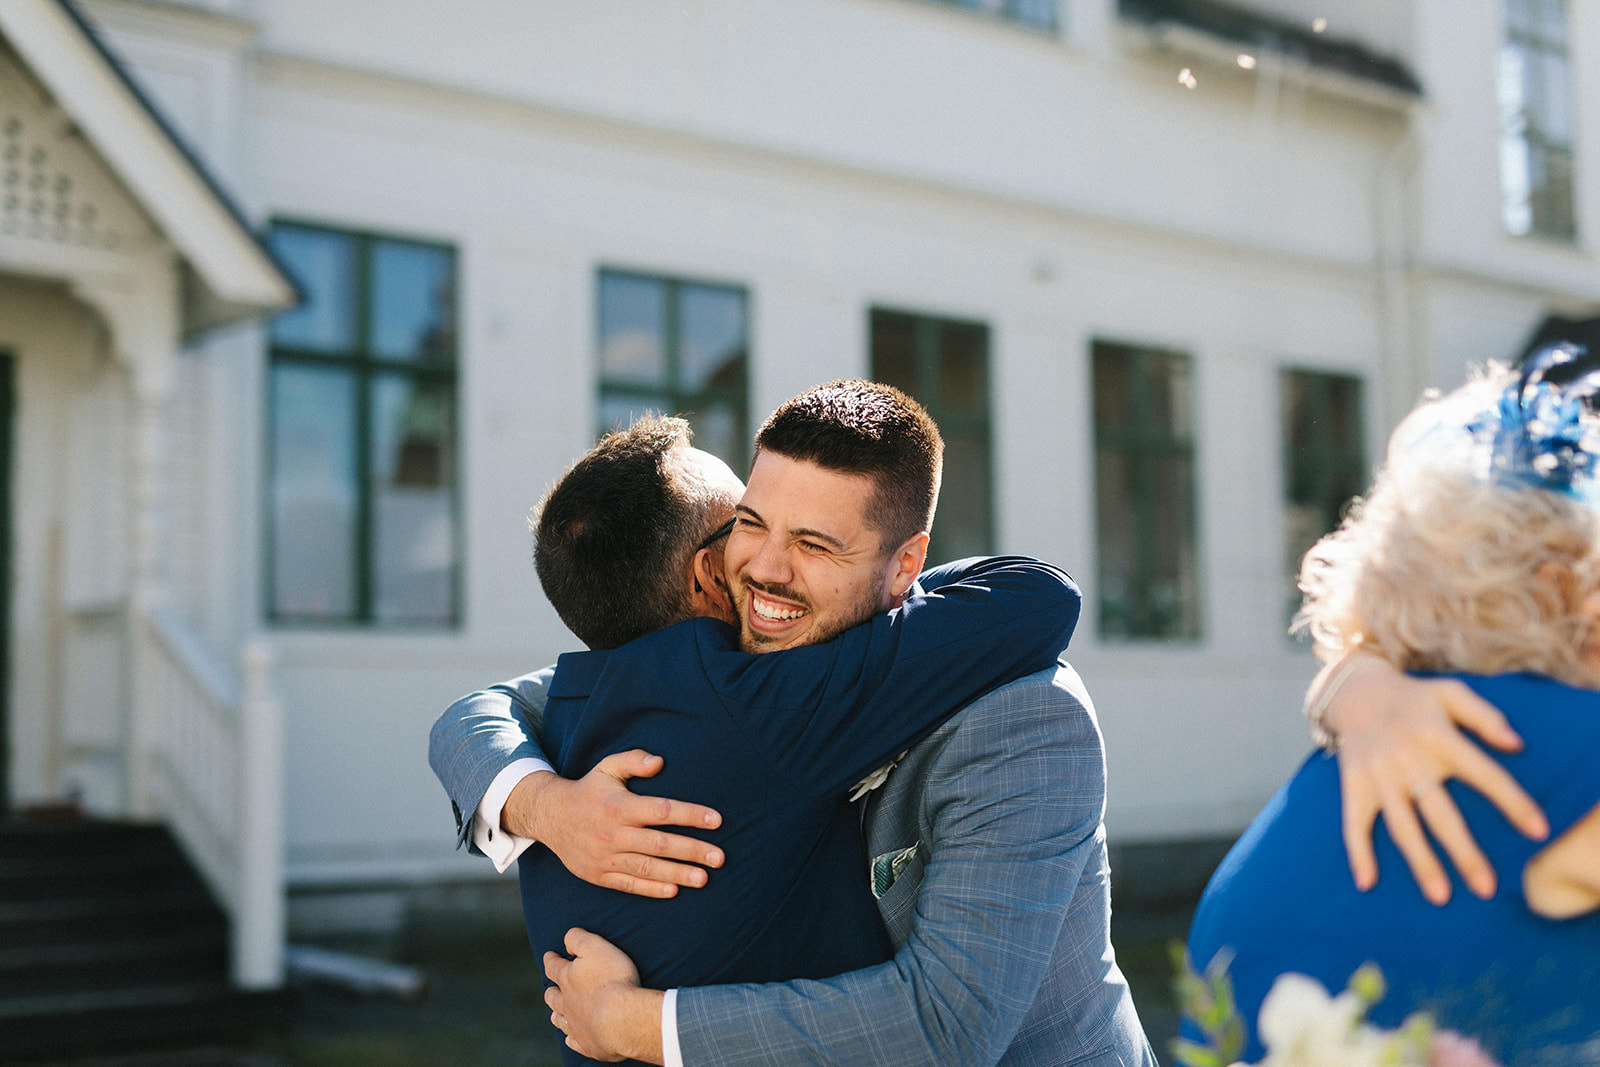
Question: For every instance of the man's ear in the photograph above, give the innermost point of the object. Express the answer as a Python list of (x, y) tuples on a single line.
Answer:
[(907, 564), (708, 586)]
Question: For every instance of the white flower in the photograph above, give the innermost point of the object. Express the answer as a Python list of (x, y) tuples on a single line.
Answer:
[(1302, 1026)]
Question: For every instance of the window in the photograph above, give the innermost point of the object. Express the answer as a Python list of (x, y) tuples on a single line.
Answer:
[(1324, 459), (944, 364), (1040, 14), (676, 347), (1536, 121), (361, 484), (1144, 493)]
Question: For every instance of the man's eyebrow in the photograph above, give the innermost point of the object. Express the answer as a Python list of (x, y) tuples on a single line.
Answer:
[(819, 536), (804, 531)]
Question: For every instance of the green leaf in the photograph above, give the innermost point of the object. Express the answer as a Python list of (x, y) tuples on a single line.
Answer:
[(1189, 1054)]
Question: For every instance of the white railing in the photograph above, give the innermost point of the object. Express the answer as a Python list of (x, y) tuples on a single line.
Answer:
[(213, 770)]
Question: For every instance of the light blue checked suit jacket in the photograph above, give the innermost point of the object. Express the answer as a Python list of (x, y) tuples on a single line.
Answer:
[(999, 905)]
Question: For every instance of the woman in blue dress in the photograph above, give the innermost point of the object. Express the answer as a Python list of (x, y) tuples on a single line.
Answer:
[(1476, 554)]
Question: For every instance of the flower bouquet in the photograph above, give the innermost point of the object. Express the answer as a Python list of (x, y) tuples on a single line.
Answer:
[(1302, 1025)]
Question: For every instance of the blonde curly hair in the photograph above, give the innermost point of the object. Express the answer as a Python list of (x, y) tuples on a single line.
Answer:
[(1436, 570)]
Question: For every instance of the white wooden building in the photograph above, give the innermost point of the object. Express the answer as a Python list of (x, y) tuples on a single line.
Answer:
[(1166, 271)]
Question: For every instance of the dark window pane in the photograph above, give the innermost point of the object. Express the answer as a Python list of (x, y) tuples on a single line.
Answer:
[(633, 330), (413, 475), (1169, 393), (324, 266), (1144, 493), (1324, 459), (1115, 525), (961, 521), (894, 351), (712, 338), (943, 364), (1344, 415), (314, 492), (963, 369), (1553, 206), (1113, 388), (1173, 600), (413, 302), (720, 429)]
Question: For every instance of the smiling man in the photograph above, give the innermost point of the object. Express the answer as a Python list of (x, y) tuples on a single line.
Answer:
[(991, 827)]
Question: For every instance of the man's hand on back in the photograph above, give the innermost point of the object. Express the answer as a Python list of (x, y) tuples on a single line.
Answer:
[(1400, 739), (607, 835), (597, 1001)]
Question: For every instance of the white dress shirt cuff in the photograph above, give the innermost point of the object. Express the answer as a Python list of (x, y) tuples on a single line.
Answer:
[(671, 1054), (501, 847)]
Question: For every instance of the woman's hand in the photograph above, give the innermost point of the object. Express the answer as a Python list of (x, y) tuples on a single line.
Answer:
[(1400, 739)]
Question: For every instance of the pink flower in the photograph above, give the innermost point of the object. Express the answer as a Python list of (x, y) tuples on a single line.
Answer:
[(1453, 1050)]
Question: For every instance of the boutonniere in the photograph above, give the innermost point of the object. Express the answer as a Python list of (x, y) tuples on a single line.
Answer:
[(876, 778)]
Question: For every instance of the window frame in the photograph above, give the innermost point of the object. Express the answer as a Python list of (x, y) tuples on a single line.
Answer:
[(365, 367), (672, 344), (1140, 444)]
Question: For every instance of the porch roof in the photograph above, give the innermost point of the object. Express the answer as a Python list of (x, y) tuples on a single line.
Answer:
[(229, 273)]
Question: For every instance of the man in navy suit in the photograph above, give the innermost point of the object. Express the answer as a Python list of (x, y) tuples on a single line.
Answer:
[(991, 829)]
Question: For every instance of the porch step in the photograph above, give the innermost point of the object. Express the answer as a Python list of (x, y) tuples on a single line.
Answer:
[(109, 940)]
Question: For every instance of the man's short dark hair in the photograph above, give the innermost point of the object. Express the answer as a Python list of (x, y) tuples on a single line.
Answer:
[(861, 427), (613, 537)]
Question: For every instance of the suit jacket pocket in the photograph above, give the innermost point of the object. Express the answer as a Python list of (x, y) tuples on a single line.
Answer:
[(896, 878)]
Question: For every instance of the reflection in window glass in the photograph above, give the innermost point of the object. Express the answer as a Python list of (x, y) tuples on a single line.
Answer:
[(363, 481), (413, 491), (413, 301), (1536, 121), (313, 500), (1144, 493), (676, 347), (1324, 460), (633, 329), (944, 364), (322, 263), (713, 333)]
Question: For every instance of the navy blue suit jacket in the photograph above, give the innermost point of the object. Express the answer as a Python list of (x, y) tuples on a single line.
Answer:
[(774, 742)]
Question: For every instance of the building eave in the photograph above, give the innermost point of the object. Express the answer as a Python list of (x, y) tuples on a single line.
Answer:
[(1215, 30), (231, 274)]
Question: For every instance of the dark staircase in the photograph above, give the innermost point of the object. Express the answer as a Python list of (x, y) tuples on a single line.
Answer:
[(110, 941)]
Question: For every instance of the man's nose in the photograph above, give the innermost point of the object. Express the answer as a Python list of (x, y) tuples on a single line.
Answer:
[(770, 564)]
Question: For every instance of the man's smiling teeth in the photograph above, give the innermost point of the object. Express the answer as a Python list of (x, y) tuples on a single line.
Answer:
[(772, 612)]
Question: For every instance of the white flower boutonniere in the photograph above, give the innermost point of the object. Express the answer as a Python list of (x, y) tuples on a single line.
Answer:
[(876, 778)]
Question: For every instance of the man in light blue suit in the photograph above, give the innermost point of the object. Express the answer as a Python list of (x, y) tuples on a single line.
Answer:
[(989, 862)]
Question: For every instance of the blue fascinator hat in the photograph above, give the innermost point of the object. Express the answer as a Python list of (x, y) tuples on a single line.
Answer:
[(1531, 427)]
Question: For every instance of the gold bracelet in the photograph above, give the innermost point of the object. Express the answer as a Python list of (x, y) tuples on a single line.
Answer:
[(1316, 711)]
